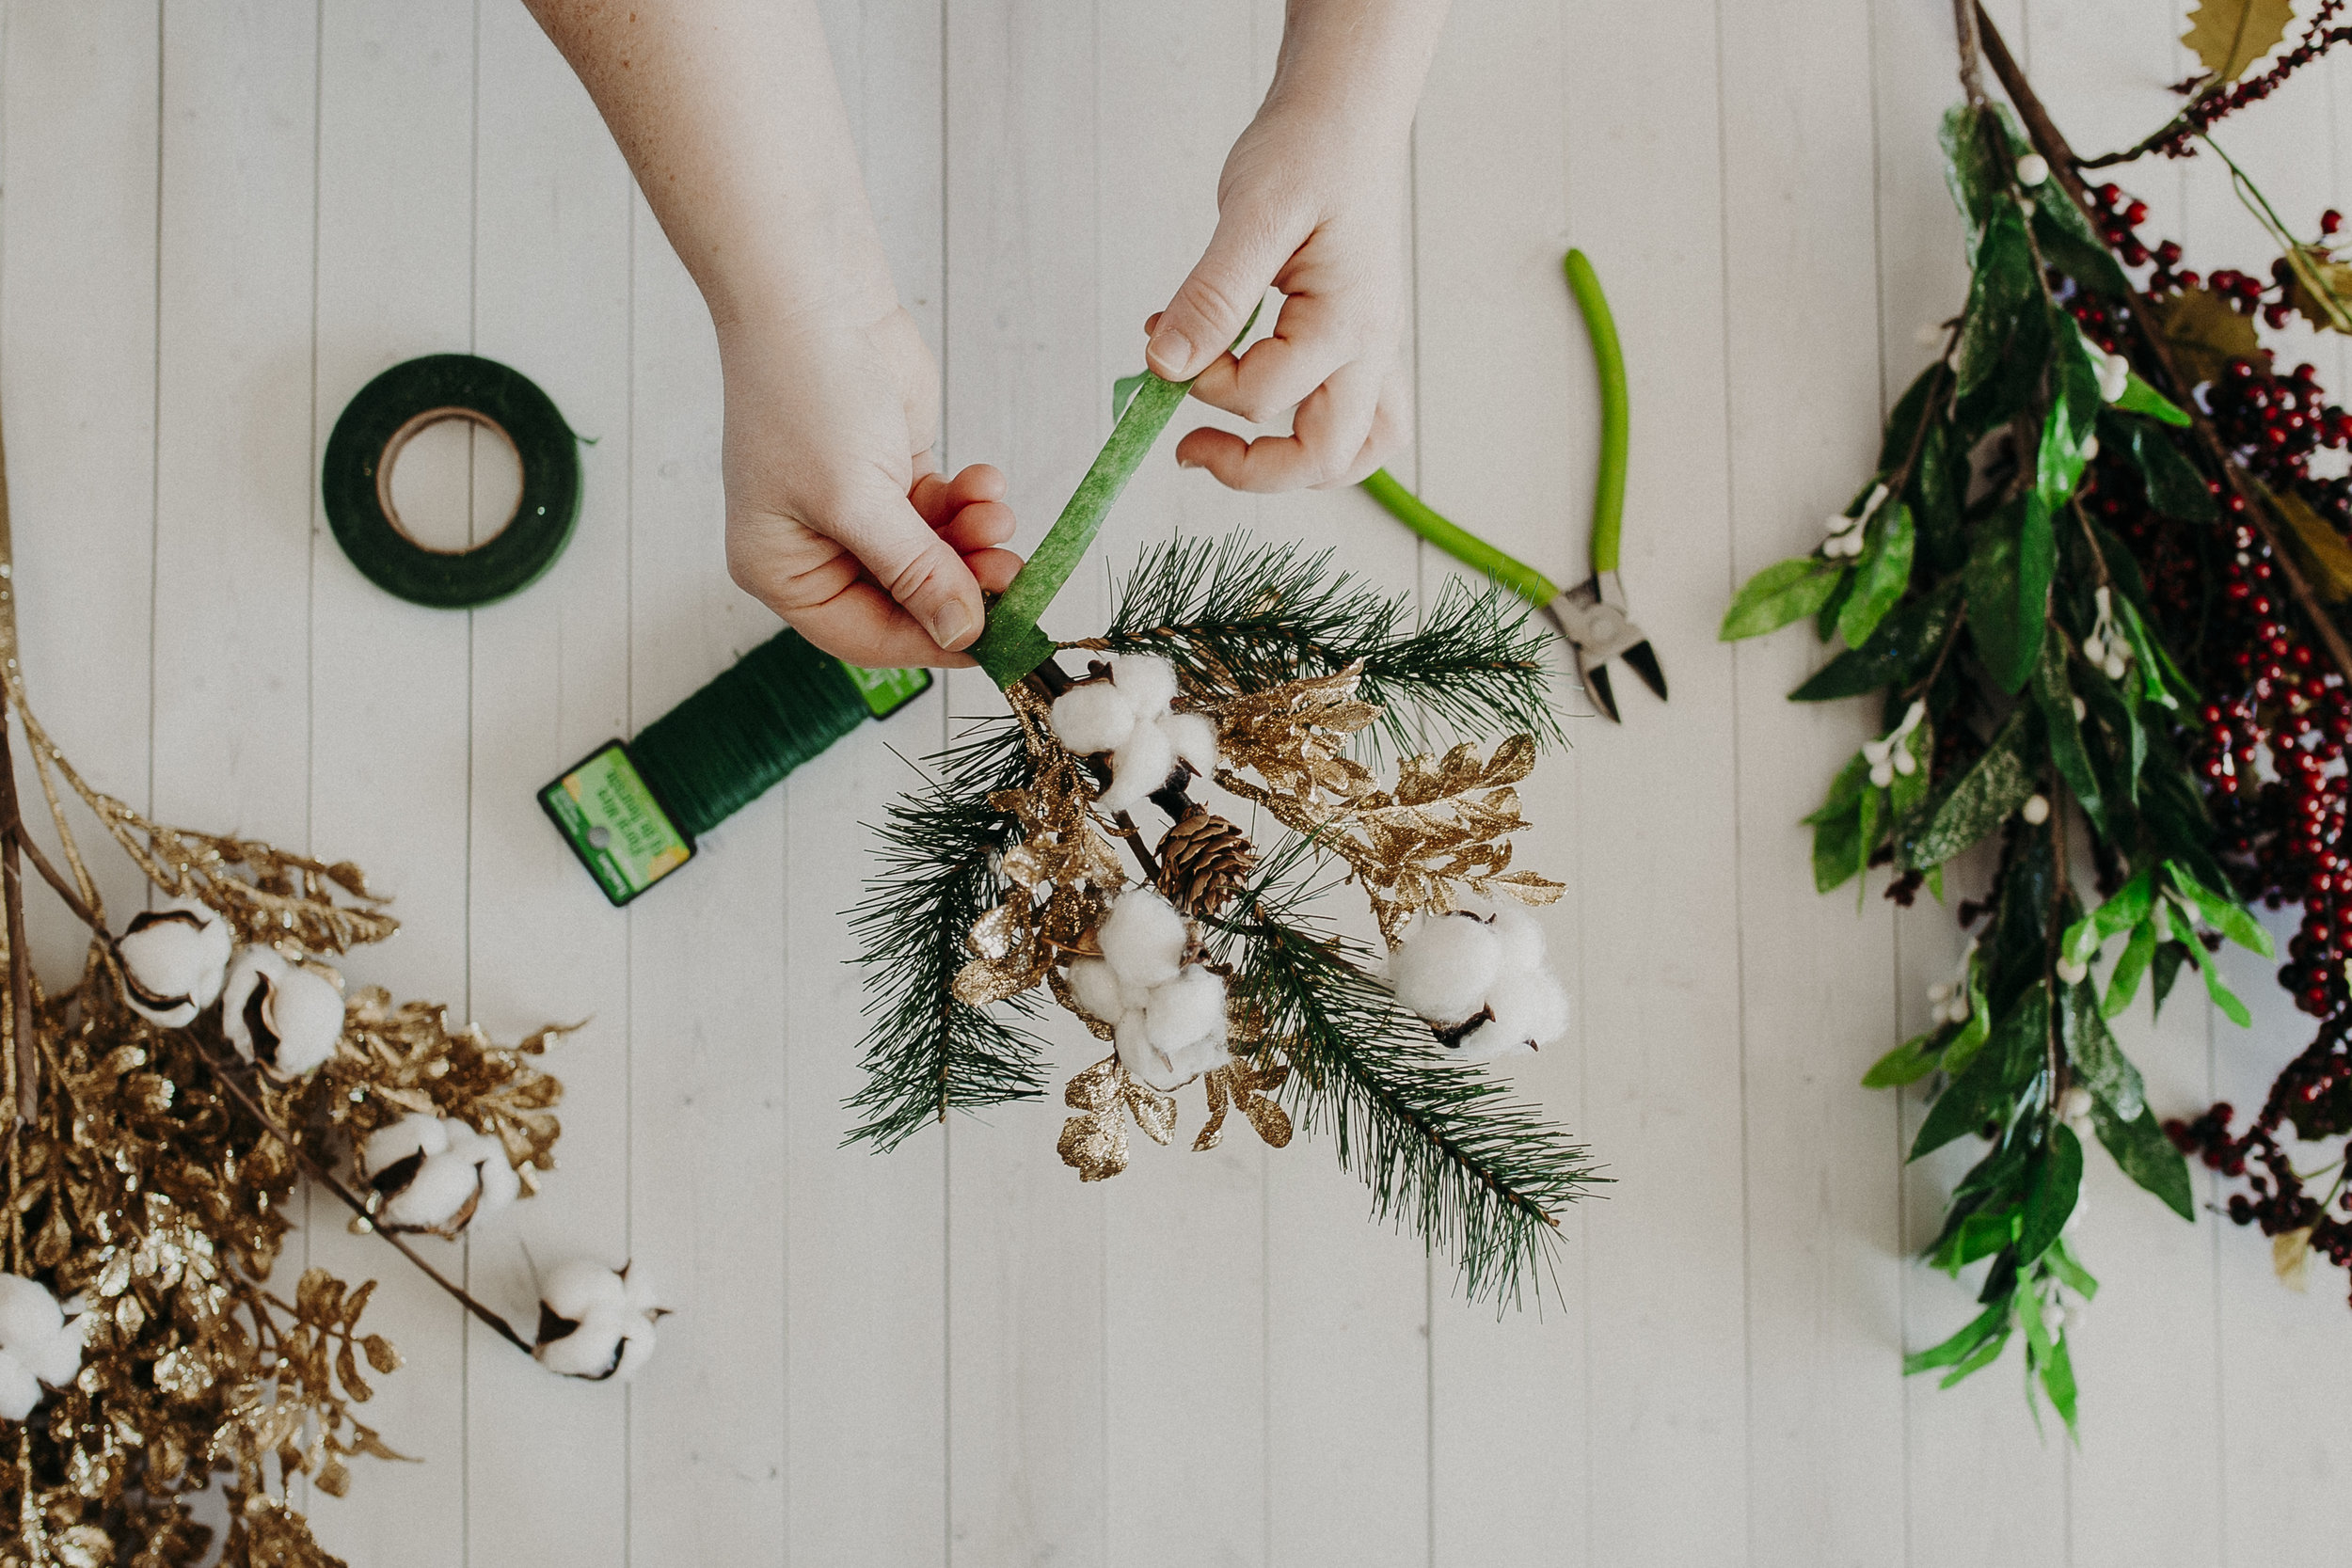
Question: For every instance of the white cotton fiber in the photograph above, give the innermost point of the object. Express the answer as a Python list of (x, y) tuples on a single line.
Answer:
[(412, 1133), (28, 1313), (1443, 966), (1138, 766), (578, 1289), (1143, 938), (500, 1185), (1194, 737), (1095, 984), (1137, 1055), (175, 959), (442, 1186), (307, 1011), (1093, 717), (1147, 682), (19, 1389), (252, 968), (1519, 940), (57, 1359), (1188, 1008), (1529, 1010)]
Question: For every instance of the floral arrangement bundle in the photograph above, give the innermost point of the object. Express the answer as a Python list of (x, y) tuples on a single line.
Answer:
[(1254, 681), (2091, 584)]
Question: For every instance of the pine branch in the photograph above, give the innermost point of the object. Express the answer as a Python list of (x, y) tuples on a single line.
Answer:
[(1442, 1146), (1234, 616), (926, 1053)]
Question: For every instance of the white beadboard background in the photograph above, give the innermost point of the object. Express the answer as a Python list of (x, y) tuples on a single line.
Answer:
[(220, 218)]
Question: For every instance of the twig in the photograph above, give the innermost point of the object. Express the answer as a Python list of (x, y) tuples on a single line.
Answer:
[(20, 960), (1965, 15), (324, 1178), (2066, 168)]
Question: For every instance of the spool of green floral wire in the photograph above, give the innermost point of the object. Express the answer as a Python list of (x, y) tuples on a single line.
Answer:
[(632, 810)]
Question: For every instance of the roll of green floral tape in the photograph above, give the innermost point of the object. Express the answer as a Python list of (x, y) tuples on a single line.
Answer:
[(632, 810), (355, 480)]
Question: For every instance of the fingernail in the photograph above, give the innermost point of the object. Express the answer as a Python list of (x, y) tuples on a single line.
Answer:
[(1183, 462), (1171, 351), (949, 625)]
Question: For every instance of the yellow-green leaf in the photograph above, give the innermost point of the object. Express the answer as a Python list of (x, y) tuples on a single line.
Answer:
[(2321, 288), (2230, 35), (2205, 334), (2327, 558)]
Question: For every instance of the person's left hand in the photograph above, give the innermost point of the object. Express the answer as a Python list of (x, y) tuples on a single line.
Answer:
[(1315, 207)]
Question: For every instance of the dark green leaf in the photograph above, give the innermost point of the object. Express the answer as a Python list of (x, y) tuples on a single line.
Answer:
[(2005, 640), (2069, 244), (1909, 789), (1938, 495), (1898, 652), (2127, 908), (1997, 784), (1984, 1354), (1838, 847), (1974, 173), (2058, 1381), (1784, 591), (2166, 970), (1906, 1064), (1978, 1235), (2100, 1065), (1974, 1029), (2054, 697), (1825, 618), (1879, 577), (1999, 293), (2073, 417), (2160, 678), (2146, 1155), (1986, 1090), (2058, 1181)]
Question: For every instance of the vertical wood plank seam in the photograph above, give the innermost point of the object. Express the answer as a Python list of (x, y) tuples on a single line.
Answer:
[(473, 340), (156, 424), (310, 525), (945, 295), (628, 915)]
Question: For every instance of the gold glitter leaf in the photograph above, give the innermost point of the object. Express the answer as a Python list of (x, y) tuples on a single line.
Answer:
[(1096, 1148)]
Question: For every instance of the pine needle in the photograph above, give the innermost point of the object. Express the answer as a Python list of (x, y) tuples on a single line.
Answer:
[(926, 1053), (1236, 616)]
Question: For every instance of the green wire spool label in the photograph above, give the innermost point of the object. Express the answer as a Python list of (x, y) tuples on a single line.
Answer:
[(614, 824), (888, 690)]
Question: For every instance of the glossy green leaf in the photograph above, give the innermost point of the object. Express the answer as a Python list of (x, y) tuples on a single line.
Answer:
[(2233, 919), (1997, 784), (2184, 932), (1992, 1321), (2162, 973), (1974, 1029), (2058, 1182), (1906, 1064), (1837, 826), (1983, 1355), (2068, 1270), (1909, 789), (2174, 486), (1784, 591), (1974, 175), (2160, 679), (2141, 398), (1880, 575), (2069, 244), (2127, 908), (2005, 642), (2001, 291), (2143, 1153), (2068, 427), (1986, 1090), (2130, 968), (2100, 1065), (2058, 1381)]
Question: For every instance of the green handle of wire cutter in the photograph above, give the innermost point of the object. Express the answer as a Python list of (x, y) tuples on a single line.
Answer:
[(1459, 542), (1616, 414)]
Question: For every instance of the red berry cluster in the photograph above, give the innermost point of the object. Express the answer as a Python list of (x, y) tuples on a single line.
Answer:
[(2319, 37), (2314, 1094), (2121, 216)]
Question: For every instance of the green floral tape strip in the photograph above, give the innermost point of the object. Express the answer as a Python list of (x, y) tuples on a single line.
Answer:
[(1011, 645)]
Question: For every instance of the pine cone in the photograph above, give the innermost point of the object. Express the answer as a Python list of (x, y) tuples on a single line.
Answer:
[(1204, 860)]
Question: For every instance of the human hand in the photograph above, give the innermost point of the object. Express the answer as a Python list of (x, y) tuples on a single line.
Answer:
[(837, 519), (1314, 206)]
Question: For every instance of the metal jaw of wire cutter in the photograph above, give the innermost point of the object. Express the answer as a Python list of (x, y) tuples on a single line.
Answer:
[(1593, 617)]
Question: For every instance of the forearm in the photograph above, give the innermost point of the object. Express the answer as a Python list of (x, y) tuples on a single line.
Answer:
[(729, 113), (1356, 62)]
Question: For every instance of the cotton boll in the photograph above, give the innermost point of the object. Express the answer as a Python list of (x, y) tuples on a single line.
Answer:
[(1189, 1009), (500, 1185), (1093, 717), (580, 1288), (1095, 984), (1137, 1055), (1143, 938), (437, 1197), (1443, 966), (173, 961), (56, 1361), (414, 1133), (1519, 940), (1194, 737), (644, 1299), (19, 1390), (281, 1015), (28, 1313), (1147, 682), (1529, 1007), (1138, 766)]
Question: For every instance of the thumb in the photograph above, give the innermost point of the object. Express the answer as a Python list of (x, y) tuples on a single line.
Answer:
[(1207, 313), (917, 568)]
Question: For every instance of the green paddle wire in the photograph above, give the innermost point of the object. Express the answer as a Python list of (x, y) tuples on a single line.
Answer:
[(722, 748)]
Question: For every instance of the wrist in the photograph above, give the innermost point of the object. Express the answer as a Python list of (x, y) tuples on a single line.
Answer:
[(1355, 66)]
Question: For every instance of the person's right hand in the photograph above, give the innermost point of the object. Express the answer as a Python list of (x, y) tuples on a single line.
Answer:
[(837, 519)]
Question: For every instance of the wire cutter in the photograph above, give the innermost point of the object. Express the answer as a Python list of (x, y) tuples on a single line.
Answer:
[(1592, 615)]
